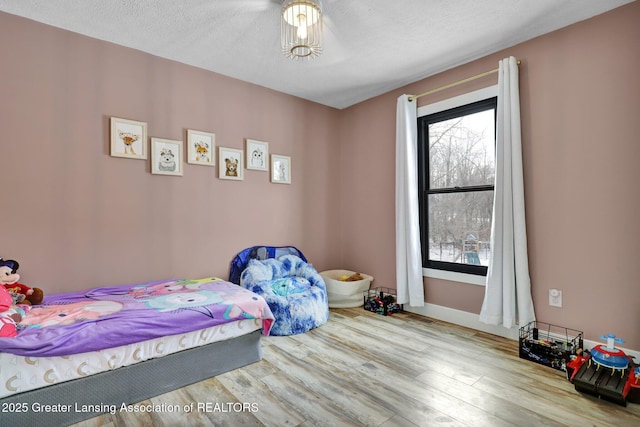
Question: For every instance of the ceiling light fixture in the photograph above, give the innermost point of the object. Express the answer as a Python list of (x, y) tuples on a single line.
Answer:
[(301, 29)]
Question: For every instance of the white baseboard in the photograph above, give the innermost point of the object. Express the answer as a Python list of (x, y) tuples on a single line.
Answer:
[(462, 318), (471, 320)]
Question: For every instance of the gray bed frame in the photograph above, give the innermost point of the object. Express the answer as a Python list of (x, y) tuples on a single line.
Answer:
[(130, 384)]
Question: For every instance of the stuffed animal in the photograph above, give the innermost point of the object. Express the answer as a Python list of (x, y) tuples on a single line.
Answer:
[(8, 316), (21, 294), (353, 278)]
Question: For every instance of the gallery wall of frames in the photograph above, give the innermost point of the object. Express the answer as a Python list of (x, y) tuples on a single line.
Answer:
[(129, 139)]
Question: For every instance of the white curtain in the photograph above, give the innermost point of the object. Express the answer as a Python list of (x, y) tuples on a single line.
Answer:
[(507, 298), (408, 254)]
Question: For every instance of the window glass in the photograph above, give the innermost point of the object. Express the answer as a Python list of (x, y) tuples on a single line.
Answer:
[(457, 172), (460, 227), (462, 151)]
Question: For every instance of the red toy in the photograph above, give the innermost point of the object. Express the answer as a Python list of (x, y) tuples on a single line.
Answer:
[(607, 372), (633, 386), (7, 321)]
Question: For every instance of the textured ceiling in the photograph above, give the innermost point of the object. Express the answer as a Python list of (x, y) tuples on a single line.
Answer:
[(370, 46)]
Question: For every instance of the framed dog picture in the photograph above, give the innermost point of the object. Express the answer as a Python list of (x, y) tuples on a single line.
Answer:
[(166, 157), (230, 164), (280, 169), (257, 155), (128, 138), (201, 148)]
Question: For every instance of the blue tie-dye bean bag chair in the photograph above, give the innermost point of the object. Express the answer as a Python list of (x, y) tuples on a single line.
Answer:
[(294, 291)]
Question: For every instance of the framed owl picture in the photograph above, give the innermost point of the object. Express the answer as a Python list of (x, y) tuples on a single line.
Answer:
[(257, 155)]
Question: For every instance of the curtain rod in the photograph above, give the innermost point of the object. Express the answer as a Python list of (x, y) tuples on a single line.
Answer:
[(459, 82)]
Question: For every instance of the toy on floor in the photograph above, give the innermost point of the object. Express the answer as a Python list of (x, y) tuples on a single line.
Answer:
[(609, 356), (21, 294), (549, 345), (605, 372), (381, 301), (633, 386)]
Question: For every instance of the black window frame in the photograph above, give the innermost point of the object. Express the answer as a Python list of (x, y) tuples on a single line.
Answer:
[(423, 181)]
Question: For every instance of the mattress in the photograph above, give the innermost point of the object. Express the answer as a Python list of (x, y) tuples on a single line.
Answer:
[(24, 373), (102, 318)]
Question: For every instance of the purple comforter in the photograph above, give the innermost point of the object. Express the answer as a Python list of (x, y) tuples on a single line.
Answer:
[(99, 318)]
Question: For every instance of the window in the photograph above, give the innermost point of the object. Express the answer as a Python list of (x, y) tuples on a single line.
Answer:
[(456, 167)]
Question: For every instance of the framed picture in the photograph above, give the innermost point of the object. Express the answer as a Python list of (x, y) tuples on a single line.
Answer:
[(230, 164), (128, 138), (257, 155), (166, 156), (280, 169), (201, 148)]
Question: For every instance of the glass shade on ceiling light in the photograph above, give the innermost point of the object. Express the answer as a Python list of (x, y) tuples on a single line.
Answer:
[(301, 29)]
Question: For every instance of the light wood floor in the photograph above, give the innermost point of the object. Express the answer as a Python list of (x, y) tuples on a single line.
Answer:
[(364, 369)]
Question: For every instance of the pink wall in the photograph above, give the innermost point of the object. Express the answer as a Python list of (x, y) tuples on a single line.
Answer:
[(76, 217), (580, 100)]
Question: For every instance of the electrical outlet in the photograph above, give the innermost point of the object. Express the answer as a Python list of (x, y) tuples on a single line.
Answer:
[(555, 297)]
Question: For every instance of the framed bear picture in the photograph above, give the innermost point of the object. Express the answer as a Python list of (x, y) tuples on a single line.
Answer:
[(257, 155), (166, 157), (230, 164)]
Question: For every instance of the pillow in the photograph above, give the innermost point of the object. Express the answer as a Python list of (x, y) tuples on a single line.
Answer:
[(289, 286)]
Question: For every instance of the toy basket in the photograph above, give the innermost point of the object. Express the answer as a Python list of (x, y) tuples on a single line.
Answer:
[(382, 301), (344, 294), (548, 344)]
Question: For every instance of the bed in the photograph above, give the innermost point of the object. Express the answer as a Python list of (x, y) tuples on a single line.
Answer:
[(81, 354)]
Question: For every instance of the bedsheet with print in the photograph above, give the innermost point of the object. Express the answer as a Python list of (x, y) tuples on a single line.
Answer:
[(100, 318)]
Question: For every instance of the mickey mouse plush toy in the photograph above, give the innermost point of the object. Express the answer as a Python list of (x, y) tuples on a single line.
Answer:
[(21, 294)]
